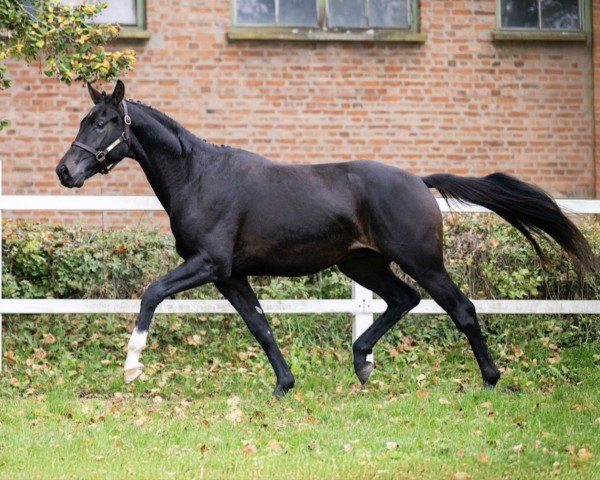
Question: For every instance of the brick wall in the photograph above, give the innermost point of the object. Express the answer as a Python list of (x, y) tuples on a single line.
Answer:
[(458, 103)]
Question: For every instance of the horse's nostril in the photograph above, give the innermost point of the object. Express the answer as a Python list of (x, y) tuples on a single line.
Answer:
[(63, 172)]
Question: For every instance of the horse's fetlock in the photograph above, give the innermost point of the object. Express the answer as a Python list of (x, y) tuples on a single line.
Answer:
[(359, 348), (287, 382)]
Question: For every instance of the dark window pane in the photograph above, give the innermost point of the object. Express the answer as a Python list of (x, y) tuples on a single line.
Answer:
[(298, 12), (560, 14), (256, 12), (389, 13), (520, 13), (346, 13)]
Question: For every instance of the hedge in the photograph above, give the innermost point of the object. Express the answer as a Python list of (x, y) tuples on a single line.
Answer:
[(486, 257)]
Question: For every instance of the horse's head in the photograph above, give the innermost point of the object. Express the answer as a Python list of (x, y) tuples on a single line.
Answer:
[(102, 141)]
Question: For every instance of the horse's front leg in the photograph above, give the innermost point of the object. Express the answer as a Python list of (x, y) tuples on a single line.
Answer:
[(195, 271), (240, 294)]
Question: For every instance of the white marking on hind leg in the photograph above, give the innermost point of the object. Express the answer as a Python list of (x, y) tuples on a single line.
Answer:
[(133, 367)]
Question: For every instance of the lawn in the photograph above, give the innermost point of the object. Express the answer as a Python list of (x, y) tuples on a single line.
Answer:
[(205, 410)]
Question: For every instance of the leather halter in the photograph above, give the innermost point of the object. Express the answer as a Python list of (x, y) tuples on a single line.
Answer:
[(101, 154)]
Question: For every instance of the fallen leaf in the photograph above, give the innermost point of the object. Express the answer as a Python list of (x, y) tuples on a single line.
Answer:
[(49, 339), (483, 458), (15, 382), (461, 476), (249, 449), (423, 394), (347, 447), (275, 446), (518, 448), (312, 420), (570, 449), (235, 415), (193, 340), (584, 454), (298, 396), (486, 405), (553, 360), (313, 445), (518, 351), (391, 445), (444, 401), (421, 377), (138, 422), (203, 448)]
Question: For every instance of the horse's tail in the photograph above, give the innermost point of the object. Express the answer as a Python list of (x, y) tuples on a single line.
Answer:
[(527, 207)]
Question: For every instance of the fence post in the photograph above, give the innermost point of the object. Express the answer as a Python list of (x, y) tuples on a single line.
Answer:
[(363, 320)]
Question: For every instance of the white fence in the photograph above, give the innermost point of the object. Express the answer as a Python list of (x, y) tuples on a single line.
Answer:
[(362, 305)]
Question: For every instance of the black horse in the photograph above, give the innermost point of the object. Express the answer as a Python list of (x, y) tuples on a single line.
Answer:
[(234, 213)]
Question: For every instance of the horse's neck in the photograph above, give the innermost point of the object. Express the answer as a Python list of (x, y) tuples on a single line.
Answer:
[(163, 150)]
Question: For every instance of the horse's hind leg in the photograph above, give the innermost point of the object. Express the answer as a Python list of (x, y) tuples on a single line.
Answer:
[(240, 294), (372, 271), (435, 279)]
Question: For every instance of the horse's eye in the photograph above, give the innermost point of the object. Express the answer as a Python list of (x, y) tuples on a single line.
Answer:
[(100, 124)]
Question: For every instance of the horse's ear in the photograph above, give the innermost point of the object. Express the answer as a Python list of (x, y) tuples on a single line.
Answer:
[(119, 93), (95, 94)]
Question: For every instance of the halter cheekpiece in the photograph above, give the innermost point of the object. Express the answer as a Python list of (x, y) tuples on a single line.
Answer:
[(101, 154)]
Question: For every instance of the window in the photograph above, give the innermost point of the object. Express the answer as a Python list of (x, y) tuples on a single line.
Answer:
[(387, 20), (541, 14), (130, 14)]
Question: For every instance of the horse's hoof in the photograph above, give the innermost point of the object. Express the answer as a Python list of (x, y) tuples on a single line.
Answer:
[(365, 373), (280, 391), (133, 373), (491, 379)]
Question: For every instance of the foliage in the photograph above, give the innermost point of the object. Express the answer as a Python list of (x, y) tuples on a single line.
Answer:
[(62, 38), (486, 257)]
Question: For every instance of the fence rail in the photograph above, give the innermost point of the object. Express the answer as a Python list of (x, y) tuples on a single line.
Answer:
[(362, 305)]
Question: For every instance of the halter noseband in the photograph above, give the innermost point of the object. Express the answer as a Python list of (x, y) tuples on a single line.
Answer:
[(101, 154)]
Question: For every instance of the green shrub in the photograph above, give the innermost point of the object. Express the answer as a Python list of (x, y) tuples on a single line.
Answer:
[(486, 257)]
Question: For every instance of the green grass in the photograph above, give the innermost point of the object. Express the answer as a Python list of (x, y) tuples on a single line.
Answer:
[(205, 408)]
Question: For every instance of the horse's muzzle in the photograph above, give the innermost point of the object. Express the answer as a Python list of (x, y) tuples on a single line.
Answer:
[(65, 177)]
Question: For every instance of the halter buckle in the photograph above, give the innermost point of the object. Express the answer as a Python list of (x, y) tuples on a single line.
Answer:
[(127, 120), (101, 157)]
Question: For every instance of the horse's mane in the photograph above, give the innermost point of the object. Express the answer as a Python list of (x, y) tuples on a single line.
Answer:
[(171, 123)]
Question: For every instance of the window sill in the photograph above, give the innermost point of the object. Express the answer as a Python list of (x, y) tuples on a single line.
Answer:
[(303, 34), (533, 36), (133, 33), (126, 33)]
